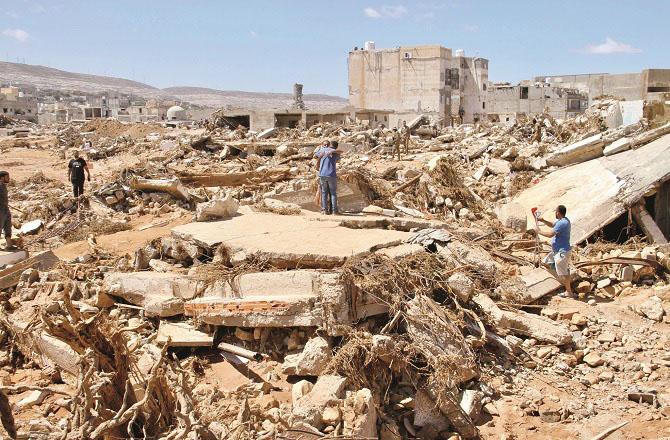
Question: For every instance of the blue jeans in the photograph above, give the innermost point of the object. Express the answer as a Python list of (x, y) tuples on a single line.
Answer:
[(328, 187)]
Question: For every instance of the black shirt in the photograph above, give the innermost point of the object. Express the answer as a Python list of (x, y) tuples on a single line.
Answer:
[(76, 167)]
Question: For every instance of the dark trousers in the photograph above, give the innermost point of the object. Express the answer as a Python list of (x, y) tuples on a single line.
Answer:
[(6, 222), (77, 187)]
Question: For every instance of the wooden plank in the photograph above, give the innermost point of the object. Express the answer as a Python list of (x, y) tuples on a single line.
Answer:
[(237, 179), (10, 277), (646, 222)]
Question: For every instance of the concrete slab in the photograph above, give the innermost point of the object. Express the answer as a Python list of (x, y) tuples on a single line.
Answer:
[(161, 294), (539, 282), (581, 151), (182, 334), (288, 241), (293, 298), (598, 191), (11, 257)]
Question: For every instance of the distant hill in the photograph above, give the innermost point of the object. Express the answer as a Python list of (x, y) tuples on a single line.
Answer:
[(50, 78)]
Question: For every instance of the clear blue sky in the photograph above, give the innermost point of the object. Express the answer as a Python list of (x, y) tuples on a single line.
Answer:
[(268, 45)]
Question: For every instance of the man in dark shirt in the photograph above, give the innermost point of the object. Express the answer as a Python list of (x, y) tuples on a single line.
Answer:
[(75, 172), (5, 213)]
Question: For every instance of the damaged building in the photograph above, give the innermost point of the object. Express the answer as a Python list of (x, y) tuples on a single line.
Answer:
[(507, 102), (412, 81), (17, 105)]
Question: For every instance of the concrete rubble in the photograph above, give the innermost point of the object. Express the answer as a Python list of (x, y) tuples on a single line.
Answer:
[(196, 291)]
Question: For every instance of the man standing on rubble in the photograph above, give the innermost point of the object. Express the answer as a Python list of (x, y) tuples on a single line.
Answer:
[(405, 133), (5, 213), (397, 141), (328, 157), (75, 173), (559, 256)]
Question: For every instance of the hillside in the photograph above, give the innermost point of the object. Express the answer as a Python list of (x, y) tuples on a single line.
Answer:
[(50, 78)]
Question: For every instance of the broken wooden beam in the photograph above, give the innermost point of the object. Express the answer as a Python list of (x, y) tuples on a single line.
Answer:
[(237, 179), (648, 225)]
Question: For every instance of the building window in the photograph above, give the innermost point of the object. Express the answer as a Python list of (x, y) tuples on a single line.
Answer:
[(484, 86), (658, 89), (483, 105), (4, 110), (524, 93)]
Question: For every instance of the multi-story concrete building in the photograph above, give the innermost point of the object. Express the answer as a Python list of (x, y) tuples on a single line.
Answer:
[(470, 77), (649, 84), (15, 104), (409, 81), (506, 102)]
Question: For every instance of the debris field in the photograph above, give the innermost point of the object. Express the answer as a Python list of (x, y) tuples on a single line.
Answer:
[(196, 292)]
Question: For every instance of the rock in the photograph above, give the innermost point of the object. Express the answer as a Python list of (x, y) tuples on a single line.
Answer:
[(549, 313), (627, 273), (550, 412), (285, 151), (471, 402), (311, 362), (648, 253), (461, 285), (578, 320), (217, 208), (606, 376), (601, 284), (34, 398), (359, 415), (111, 200), (583, 287), (426, 412), (327, 390), (31, 227), (281, 207), (498, 166), (299, 389), (652, 308), (593, 360), (543, 352), (331, 415), (607, 337)]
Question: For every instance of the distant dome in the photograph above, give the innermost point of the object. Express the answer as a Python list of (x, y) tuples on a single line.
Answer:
[(176, 113)]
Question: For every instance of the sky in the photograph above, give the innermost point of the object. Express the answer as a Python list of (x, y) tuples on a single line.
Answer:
[(266, 46)]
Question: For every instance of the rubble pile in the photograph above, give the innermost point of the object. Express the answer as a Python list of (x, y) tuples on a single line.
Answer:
[(196, 292)]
